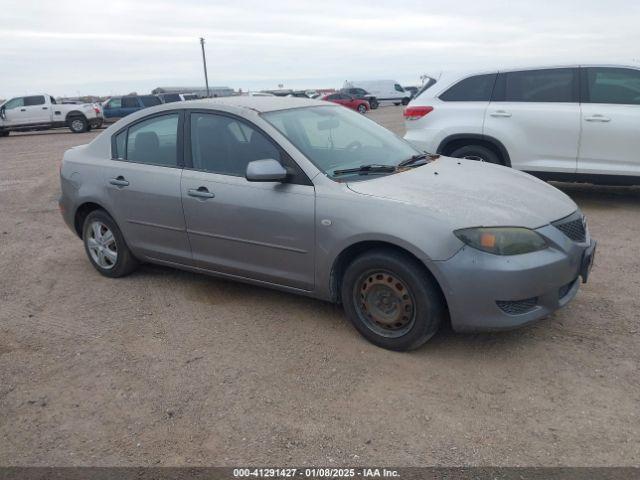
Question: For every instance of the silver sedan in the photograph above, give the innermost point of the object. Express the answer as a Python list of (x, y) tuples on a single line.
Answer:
[(317, 200)]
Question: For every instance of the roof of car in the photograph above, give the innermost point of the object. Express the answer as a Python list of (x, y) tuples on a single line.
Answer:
[(258, 104)]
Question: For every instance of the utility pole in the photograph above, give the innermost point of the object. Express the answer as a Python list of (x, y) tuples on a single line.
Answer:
[(204, 62)]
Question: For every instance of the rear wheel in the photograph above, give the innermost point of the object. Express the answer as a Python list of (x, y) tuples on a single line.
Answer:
[(105, 246), (78, 124), (391, 300), (4, 133), (477, 152), (373, 103), (405, 100)]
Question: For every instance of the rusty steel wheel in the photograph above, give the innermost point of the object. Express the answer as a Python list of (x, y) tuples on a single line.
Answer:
[(384, 303)]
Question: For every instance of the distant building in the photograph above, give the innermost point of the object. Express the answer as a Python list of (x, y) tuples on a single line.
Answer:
[(200, 91)]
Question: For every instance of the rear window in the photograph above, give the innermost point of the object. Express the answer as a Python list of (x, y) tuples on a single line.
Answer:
[(35, 100), (473, 89), (552, 85), (150, 100)]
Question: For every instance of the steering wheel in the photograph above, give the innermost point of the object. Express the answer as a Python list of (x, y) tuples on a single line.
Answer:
[(354, 145)]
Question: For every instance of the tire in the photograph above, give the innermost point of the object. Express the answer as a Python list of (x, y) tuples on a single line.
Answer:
[(103, 261), (78, 124), (406, 100), (373, 103), (362, 108), (378, 287), (477, 152), (4, 133)]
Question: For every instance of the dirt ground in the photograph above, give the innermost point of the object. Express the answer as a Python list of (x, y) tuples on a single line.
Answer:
[(172, 368)]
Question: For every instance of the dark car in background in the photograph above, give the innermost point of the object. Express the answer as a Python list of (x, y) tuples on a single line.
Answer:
[(362, 94), (117, 107)]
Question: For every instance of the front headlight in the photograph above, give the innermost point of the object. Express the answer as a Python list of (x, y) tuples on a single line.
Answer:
[(502, 240)]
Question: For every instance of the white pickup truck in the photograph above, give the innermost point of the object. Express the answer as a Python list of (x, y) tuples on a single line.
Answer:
[(42, 112)]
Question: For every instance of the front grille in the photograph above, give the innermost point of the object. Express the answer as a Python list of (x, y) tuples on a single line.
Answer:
[(563, 290), (573, 227), (517, 307)]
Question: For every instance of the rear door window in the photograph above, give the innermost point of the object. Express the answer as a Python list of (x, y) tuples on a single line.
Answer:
[(130, 102), (550, 85), (35, 100), (153, 141), (613, 85), (473, 89)]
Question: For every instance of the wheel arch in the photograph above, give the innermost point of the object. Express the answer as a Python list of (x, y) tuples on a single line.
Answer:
[(73, 114), (83, 211), (453, 142), (349, 253)]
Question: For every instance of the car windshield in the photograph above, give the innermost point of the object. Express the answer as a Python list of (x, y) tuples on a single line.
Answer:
[(335, 138)]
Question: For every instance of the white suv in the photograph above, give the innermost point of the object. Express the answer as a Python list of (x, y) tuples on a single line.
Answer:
[(573, 123)]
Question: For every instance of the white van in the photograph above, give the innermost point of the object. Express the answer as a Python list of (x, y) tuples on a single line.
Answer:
[(385, 91)]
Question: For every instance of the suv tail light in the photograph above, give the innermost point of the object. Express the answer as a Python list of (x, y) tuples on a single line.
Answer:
[(414, 113)]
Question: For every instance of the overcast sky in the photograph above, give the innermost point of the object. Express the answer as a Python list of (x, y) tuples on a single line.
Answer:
[(67, 47)]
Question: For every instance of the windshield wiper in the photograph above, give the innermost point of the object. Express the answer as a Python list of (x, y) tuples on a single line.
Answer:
[(416, 158), (365, 169)]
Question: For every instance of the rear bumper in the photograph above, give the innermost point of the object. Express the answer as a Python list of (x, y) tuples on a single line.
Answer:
[(491, 292)]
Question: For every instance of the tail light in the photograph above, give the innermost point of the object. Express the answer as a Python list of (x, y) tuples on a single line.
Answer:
[(97, 110), (415, 113)]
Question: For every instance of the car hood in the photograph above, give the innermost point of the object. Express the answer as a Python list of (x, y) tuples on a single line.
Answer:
[(467, 193)]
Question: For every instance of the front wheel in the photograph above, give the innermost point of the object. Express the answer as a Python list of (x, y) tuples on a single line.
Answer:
[(478, 153), (406, 100), (362, 108), (391, 300), (105, 246), (78, 124)]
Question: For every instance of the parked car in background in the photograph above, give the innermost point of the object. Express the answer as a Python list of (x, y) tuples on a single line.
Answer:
[(362, 94), (348, 101), (572, 123), (42, 112), (385, 91), (118, 107), (313, 199)]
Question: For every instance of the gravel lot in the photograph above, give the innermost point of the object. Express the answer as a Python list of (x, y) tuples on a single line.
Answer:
[(172, 368)]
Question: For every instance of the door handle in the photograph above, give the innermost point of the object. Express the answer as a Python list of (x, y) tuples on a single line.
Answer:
[(23, 109), (597, 118), (200, 192), (119, 181), (45, 108), (500, 113)]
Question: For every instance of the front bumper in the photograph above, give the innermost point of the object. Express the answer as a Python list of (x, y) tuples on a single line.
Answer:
[(491, 292)]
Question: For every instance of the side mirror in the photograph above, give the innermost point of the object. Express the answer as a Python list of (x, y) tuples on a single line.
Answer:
[(268, 170)]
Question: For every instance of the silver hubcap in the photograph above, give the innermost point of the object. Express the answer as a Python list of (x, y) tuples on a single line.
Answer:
[(77, 125), (102, 245)]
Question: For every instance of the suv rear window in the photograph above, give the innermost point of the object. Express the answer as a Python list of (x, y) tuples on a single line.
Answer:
[(473, 89), (150, 100), (552, 85)]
